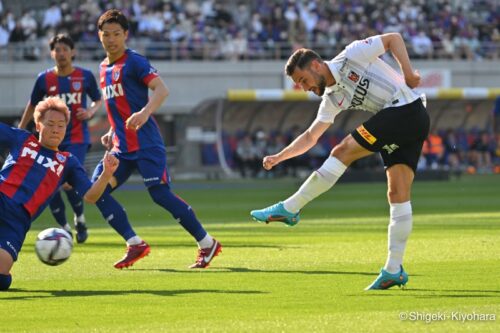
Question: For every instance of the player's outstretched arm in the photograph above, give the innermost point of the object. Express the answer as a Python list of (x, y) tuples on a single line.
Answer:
[(299, 146), (160, 93), (110, 164), (395, 43), (27, 116)]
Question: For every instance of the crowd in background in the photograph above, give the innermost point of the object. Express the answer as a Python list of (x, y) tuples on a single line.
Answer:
[(456, 150), (223, 29)]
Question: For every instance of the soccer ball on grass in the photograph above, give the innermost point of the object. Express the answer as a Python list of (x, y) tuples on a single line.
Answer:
[(53, 246)]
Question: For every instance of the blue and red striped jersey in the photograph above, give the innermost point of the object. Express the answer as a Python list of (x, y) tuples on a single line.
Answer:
[(72, 89), (124, 85), (32, 174)]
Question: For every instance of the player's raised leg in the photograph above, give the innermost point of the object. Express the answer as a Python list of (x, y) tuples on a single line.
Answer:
[(318, 182)]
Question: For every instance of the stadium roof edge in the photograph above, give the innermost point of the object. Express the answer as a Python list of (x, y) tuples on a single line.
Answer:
[(242, 95)]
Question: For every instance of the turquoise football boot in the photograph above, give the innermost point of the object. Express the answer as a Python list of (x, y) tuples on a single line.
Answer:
[(386, 280), (275, 213)]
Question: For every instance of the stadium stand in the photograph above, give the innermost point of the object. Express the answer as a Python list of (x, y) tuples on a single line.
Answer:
[(223, 29)]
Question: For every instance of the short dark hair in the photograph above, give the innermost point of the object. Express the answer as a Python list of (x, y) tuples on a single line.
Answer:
[(300, 58), (61, 38), (113, 16)]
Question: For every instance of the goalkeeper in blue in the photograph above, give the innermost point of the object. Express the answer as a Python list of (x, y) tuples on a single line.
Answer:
[(358, 79)]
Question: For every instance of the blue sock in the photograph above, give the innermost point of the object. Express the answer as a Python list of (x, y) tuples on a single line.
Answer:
[(76, 202), (179, 209), (5, 281), (115, 215), (58, 209)]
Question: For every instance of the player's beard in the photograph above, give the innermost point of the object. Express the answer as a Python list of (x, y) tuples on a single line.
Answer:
[(320, 83)]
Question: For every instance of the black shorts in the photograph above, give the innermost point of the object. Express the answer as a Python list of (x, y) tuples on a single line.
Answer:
[(397, 133)]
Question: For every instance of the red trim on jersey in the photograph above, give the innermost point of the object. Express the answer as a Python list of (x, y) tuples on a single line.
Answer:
[(51, 80), (76, 135), (123, 107), (47, 186), (102, 84), (23, 165), (148, 78)]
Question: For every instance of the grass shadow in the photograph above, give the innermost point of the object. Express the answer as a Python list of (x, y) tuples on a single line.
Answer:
[(92, 293), (250, 270)]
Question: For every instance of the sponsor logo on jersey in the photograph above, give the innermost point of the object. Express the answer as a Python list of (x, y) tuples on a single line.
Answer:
[(366, 135), (112, 91), (353, 76), (44, 161), (368, 41), (390, 148), (360, 93), (70, 98)]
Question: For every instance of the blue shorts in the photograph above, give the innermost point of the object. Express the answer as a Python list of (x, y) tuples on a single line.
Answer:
[(14, 225), (78, 149), (150, 162)]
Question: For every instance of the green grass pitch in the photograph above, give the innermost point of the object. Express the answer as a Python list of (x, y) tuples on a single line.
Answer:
[(271, 278)]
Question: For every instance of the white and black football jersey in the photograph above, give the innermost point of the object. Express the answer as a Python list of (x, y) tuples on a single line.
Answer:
[(363, 81)]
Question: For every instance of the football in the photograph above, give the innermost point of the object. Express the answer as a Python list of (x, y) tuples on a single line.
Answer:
[(53, 246)]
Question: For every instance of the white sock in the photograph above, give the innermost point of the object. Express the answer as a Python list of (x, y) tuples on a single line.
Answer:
[(136, 240), (67, 227), (79, 219), (318, 182), (207, 241), (398, 232)]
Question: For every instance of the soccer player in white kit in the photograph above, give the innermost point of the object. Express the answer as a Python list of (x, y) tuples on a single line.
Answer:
[(358, 79)]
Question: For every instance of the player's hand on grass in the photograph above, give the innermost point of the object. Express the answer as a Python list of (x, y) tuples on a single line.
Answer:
[(110, 163), (270, 161), (412, 79), (107, 140), (136, 120)]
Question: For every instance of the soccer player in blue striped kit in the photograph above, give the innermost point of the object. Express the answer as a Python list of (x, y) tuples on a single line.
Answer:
[(72, 84), (33, 172), (358, 79), (135, 139)]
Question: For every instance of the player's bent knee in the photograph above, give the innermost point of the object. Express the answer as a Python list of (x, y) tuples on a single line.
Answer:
[(5, 281)]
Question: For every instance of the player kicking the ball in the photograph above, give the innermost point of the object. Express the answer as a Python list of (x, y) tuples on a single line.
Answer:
[(134, 138), (358, 79)]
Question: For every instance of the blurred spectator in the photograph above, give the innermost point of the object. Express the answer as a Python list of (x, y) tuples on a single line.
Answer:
[(52, 17), (433, 150), (452, 158), (246, 157), (481, 153), (422, 45)]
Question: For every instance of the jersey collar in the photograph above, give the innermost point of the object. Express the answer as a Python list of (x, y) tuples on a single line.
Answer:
[(336, 75)]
